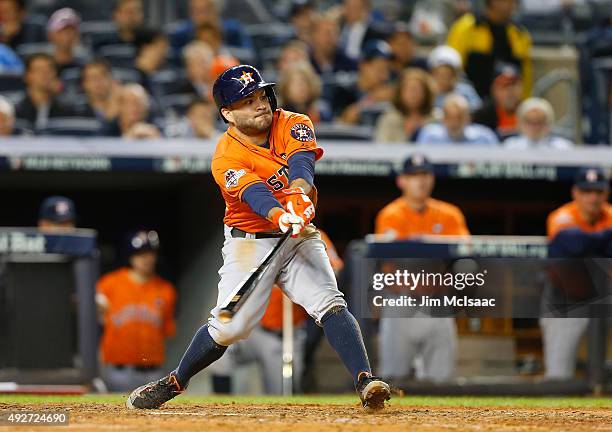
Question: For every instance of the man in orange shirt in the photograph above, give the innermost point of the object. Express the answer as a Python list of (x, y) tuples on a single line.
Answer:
[(264, 344), (578, 229), (264, 167), (414, 214), (137, 311)]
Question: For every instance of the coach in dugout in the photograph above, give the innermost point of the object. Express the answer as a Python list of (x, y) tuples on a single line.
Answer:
[(137, 312), (578, 229), (414, 214)]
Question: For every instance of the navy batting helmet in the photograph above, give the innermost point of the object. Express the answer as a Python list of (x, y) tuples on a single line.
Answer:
[(237, 83), (140, 241)]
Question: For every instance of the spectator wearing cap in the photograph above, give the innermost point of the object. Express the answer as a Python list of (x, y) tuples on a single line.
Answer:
[(403, 49), (207, 12), (410, 109), (41, 101), (302, 16), (579, 229), (499, 111), (57, 214), (17, 28), (151, 53), (136, 308), (445, 66), (102, 91), (536, 118), (373, 88), (414, 214), (7, 117), (325, 55), (132, 120), (455, 127), (128, 15), (484, 41), (63, 33), (359, 26), (299, 90)]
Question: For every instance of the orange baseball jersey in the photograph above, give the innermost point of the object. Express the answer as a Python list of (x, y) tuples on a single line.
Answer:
[(138, 319), (273, 317), (568, 216), (438, 218), (238, 164)]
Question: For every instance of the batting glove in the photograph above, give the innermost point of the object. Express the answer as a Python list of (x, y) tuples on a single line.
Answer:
[(289, 220), (300, 204)]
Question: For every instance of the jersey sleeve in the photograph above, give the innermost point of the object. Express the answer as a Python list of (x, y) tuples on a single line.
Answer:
[(298, 135), (233, 176)]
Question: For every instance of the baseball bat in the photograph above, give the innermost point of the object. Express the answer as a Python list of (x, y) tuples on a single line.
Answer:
[(246, 287)]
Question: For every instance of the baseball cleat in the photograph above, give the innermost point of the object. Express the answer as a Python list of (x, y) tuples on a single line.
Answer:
[(154, 394), (373, 392)]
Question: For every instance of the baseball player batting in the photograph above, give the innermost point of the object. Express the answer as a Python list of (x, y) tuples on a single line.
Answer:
[(264, 166)]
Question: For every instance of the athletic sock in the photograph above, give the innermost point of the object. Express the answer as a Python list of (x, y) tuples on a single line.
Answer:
[(202, 351), (344, 335)]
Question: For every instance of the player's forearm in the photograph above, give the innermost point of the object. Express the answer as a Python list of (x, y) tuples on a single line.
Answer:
[(301, 183)]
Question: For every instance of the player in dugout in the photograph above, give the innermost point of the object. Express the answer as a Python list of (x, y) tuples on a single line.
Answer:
[(264, 345), (402, 340), (579, 229), (136, 308), (57, 214)]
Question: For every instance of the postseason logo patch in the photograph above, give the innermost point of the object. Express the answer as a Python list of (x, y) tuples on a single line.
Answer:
[(232, 177), (302, 132)]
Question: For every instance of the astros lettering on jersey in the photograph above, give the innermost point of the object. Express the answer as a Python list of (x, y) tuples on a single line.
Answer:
[(238, 164)]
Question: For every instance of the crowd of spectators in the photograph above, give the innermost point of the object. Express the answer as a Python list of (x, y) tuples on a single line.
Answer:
[(343, 61)]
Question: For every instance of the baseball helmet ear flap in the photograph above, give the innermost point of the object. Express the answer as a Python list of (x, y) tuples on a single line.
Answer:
[(238, 82)]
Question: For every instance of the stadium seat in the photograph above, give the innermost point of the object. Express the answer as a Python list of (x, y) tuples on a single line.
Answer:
[(340, 132), (93, 33), (27, 49), (71, 126), (175, 103), (118, 55), (126, 75)]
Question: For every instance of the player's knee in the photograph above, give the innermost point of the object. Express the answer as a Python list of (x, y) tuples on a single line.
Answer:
[(336, 309), (227, 334)]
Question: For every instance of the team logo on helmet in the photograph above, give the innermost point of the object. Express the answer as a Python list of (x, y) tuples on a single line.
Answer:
[(302, 132), (232, 177), (245, 78), (591, 176)]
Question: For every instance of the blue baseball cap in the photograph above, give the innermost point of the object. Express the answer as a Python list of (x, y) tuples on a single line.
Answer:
[(57, 209), (374, 49), (592, 178), (417, 163)]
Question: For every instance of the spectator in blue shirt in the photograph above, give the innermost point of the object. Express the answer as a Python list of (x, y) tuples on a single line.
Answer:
[(456, 127), (10, 63), (206, 12)]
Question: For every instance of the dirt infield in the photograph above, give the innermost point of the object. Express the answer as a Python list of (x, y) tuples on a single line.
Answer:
[(316, 417)]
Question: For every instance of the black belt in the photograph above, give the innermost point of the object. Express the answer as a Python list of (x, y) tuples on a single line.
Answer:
[(238, 233)]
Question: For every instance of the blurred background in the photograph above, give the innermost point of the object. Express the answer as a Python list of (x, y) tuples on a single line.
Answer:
[(490, 120)]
